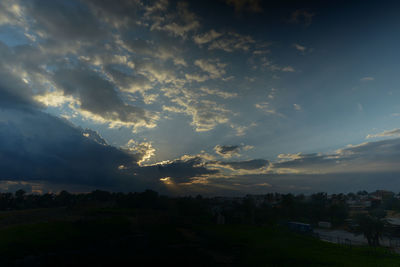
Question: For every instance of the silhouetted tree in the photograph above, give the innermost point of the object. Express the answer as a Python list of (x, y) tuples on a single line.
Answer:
[(371, 227)]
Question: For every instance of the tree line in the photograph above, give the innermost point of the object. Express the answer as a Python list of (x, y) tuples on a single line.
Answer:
[(274, 208)]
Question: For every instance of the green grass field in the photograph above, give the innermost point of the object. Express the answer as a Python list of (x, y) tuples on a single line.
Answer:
[(114, 237), (266, 246)]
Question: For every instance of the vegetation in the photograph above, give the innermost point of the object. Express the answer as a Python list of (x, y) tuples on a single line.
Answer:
[(372, 228), (110, 237), (111, 229)]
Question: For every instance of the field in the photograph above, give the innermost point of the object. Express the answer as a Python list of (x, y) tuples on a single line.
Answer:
[(109, 237)]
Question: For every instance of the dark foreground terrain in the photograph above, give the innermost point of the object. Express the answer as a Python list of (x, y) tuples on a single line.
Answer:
[(105, 236)]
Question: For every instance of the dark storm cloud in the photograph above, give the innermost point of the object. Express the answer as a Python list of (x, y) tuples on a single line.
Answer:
[(130, 83), (13, 91), (95, 92), (38, 146), (13, 98), (95, 136), (64, 20), (99, 96), (60, 29)]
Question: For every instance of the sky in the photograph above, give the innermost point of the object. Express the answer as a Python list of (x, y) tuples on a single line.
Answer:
[(226, 97)]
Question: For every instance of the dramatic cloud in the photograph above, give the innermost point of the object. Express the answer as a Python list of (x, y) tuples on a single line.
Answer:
[(97, 96), (35, 146), (143, 151), (161, 79), (187, 169), (39, 149)]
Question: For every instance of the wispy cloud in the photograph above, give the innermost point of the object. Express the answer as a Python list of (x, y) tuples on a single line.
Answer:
[(297, 107), (206, 37), (367, 79), (214, 68), (225, 41), (303, 16), (390, 133), (300, 48), (268, 109)]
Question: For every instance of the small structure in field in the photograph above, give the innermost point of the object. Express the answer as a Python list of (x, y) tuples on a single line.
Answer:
[(326, 225)]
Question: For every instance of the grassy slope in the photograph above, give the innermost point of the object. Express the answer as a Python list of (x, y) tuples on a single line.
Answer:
[(278, 247)]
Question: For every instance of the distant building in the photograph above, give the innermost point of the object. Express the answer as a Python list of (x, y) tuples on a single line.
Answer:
[(382, 194), (359, 206)]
